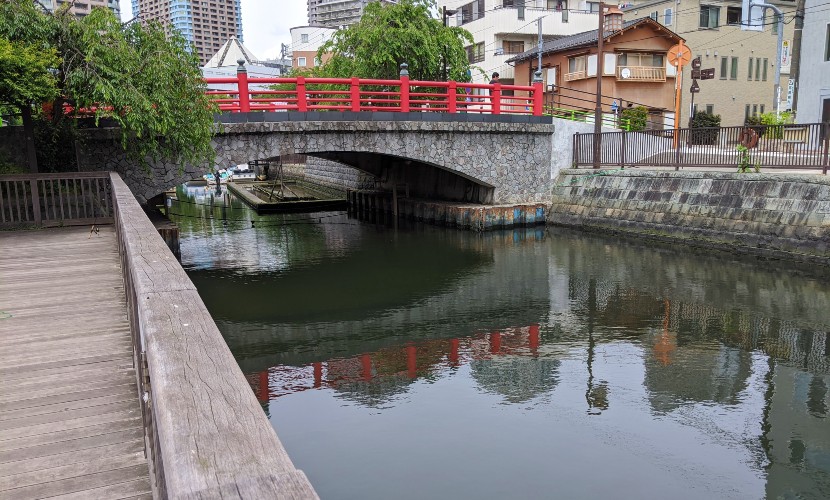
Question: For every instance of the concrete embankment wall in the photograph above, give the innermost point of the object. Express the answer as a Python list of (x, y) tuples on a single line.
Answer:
[(774, 215)]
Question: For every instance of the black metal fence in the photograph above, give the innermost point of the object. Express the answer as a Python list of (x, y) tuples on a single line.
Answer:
[(803, 147)]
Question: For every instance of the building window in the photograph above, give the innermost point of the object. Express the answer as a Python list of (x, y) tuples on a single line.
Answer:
[(749, 73), (754, 109), (641, 59), (724, 67), (827, 45), (654, 15), (764, 74), (709, 16), (757, 68), (733, 73), (774, 23), (301, 62), (762, 109), (710, 108), (576, 68), (746, 113), (304, 37), (511, 47), (733, 16), (475, 53), (593, 7), (667, 17), (471, 12)]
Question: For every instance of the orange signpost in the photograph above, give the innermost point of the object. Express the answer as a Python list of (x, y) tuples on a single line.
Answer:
[(679, 55)]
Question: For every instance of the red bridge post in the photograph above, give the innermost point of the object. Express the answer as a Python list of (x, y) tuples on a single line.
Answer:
[(302, 103), (404, 88), (242, 86), (354, 93), (452, 104), (538, 94), (495, 99)]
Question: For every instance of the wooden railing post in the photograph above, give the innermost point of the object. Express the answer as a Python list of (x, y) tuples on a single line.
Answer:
[(452, 105), (35, 201), (354, 93), (404, 88), (302, 103), (242, 85)]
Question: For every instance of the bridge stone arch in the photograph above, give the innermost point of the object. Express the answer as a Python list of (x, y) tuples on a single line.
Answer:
[(487, 159)]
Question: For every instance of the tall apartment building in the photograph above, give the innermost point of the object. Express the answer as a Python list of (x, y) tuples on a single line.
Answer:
[(502, 29), (83, 8), (744, 61), (205, 24), (305, 40), (337, 13)]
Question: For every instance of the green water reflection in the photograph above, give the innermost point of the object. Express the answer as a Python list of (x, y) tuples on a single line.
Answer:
[(430, 363)]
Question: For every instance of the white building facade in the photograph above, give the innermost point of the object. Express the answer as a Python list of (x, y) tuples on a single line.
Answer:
[(814, 75), (305, 41), (503, 28)]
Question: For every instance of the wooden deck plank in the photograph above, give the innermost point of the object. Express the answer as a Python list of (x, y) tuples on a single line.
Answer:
[(47, 462), (79, 484), (67, 415), (138, 488), (72, 405), (70, 417), (53, 437), (100, 462)]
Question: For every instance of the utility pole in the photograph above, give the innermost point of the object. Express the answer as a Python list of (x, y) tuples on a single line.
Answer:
[(795, 65), (445, 14), (539, 55), (598, 109)]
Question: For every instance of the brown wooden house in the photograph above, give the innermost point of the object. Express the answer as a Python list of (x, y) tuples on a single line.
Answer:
[(636, 70)]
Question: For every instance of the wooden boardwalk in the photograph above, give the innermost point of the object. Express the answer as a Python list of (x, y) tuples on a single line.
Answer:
[(70, 417)]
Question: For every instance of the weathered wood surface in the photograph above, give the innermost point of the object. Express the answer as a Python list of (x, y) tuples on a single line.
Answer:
[(70, 417), (211, 434)]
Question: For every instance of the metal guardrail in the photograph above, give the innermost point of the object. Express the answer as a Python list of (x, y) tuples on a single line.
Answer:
[(796, 146), (50, 200)]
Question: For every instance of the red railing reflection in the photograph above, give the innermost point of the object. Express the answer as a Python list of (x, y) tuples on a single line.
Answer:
[(408, 361)]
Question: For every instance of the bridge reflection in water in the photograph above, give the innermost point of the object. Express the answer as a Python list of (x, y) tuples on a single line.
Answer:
[(603, 363)]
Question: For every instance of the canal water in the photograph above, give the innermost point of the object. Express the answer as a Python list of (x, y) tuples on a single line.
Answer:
[(422, 362)]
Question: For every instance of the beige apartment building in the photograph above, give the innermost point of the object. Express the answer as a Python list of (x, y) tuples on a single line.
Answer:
[(83, 8), (744, 61)]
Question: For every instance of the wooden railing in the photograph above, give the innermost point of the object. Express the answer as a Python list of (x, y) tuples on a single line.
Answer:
[(206, 434), (641, 74), (357, 94), (575, 75), (49, 200)]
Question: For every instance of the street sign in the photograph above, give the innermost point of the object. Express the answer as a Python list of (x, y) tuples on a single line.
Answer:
[(695, 72), (707, 74), (695, 88), (696, 63), (679, 55)]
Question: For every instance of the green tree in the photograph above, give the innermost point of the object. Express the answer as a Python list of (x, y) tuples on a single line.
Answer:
[(135, 75), (388, 35), (637, 118)]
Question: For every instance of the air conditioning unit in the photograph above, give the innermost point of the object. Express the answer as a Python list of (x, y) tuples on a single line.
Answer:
[(499, 52)]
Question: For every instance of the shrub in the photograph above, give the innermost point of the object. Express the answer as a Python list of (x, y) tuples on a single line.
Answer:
[(637, 118), (710, 123)]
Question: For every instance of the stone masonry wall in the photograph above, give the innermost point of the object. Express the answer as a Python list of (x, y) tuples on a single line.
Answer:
[(775, 215), (334, 174), (512, 160)]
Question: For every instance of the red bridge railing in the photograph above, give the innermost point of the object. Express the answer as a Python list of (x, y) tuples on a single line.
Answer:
[(359, 94)]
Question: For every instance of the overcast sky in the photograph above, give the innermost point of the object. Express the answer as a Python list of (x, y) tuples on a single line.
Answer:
[(265, 23)]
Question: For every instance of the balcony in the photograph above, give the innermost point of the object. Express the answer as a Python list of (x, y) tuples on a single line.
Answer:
[(641, 74), (576, 75)]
